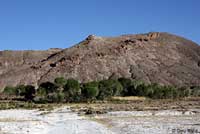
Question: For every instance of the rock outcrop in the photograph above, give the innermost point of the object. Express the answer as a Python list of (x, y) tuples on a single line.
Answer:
[(154, 57)]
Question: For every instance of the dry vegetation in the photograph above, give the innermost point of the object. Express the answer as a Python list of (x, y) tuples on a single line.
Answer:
[(136, 105), (129, 98)]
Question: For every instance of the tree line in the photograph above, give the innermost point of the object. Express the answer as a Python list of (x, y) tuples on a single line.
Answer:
[(70, 90)]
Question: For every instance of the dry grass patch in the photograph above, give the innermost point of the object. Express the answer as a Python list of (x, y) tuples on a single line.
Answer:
[(129, 98)]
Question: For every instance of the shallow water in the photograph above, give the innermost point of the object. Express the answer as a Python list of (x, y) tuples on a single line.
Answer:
[(62, 121)]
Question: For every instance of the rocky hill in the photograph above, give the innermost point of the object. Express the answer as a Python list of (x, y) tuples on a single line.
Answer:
[(153, 57)]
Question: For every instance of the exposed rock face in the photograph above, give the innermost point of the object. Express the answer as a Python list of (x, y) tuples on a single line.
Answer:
[(154, 57), (16, 67)]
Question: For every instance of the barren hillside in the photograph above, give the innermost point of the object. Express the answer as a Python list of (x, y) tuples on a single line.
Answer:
[(154, 57)]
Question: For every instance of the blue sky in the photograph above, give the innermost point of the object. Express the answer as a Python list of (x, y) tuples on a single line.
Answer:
[(43, 24)]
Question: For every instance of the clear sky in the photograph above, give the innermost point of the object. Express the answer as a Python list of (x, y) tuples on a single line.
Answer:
[(43, 24)]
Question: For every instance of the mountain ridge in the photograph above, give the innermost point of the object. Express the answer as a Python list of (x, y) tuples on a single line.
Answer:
[(155, 57)]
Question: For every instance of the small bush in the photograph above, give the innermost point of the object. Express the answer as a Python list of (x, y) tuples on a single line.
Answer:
[(126, 83), (60, 81), (169, 92), (56, 97), (108, 88), (41, 92), (29, 92), (49, 87), (90, 90), (40, 99), (44, 90), (72, 90), (10, 91), (137, 89), (195, 91), (21, 89)]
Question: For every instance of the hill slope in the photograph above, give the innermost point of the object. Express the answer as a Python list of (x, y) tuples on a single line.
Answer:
[(154, 57)]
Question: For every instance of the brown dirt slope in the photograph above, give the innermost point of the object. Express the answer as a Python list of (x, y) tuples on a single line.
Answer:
[(153, 57)]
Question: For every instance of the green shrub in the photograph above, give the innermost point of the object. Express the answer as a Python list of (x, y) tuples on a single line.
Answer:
[(108, 88), (60, 97), (90, 90), (142, 89), (152, 90), (10, 91), (48, 87), (72, 84), (170, 92), (137, 89), (72, 90), (195, 91), (56, 97), (162, 92), (41, 92), (40, 99), (29, 92), (41, 95), (60, 81), (126, 83), (21, 89)]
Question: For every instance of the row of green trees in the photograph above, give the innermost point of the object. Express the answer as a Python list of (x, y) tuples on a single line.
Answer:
[(70, 90), (27, 92), (156, 91)]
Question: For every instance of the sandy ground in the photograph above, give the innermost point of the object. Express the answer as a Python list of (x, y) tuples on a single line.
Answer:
[(63, 121), (154, 122), (59, 121)]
